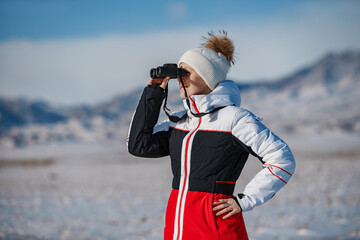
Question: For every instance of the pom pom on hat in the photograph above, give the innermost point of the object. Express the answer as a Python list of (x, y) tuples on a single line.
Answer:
[(211, 61), (221, 44)]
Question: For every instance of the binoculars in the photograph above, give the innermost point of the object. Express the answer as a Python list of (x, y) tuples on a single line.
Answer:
[(167, 70)]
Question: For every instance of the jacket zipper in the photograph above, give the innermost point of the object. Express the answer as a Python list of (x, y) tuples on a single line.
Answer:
[(183, 188)]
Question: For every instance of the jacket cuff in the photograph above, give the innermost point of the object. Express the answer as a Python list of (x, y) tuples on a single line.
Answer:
[(244, 202), (154, 91), (236, 200), (155, 86)]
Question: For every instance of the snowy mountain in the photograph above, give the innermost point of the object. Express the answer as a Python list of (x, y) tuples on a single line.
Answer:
[(22, 112), (322, 97)]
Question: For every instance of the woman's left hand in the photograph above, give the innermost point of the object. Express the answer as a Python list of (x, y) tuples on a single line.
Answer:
[(228, 205)]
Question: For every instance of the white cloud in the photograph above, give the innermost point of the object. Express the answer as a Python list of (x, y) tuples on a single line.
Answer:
[(93, 69), (82, 70)]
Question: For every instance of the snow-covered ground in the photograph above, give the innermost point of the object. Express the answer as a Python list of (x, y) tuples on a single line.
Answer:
[(99, 191)]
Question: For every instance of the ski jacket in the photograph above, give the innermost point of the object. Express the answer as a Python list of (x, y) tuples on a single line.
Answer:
[(207, 155)]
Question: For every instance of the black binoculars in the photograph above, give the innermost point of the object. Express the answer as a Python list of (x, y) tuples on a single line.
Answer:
[(167, 70)]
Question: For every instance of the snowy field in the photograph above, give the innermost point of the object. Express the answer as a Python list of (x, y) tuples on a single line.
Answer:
[(99, 191)]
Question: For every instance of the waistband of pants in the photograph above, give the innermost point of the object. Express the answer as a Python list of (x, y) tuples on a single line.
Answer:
[(208, 185)]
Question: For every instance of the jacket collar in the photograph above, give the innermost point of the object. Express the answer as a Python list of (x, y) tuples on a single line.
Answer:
[(227, 93)]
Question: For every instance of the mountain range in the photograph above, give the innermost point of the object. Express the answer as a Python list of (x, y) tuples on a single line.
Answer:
[(321, 97)]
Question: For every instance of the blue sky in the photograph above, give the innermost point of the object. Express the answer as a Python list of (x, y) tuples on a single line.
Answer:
[(43, 19), (86, 51)]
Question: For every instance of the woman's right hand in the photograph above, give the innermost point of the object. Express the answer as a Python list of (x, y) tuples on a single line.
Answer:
[(161, 81)]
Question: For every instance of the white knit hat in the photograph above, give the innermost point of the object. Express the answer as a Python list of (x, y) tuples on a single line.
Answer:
[(211, 66)]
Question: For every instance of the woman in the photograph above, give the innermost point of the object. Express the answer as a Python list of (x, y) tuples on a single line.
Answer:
[(209, 144)]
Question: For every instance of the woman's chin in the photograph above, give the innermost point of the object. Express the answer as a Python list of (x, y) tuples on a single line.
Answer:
[(182, 95)]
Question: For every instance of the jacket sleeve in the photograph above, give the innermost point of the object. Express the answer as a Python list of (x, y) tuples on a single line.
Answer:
[(274, 153), (144, 138)]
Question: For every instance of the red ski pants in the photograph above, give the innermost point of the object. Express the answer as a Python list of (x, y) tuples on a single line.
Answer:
[(194, 218)]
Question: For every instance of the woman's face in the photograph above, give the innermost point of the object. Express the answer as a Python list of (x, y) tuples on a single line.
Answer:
[(193, 83)]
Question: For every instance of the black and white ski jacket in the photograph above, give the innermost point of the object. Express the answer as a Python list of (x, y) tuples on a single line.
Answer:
[(208, 153)]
